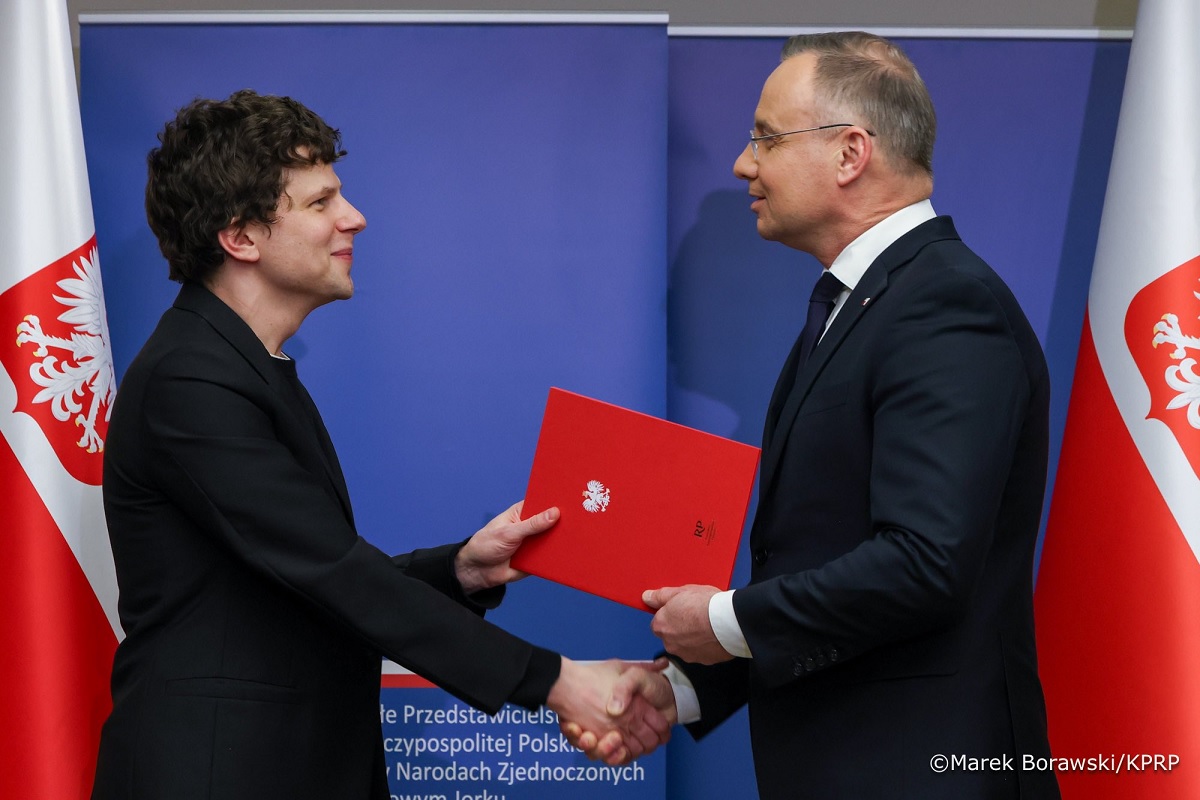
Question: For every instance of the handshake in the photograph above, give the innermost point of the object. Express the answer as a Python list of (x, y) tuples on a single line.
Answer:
[(614, 711)]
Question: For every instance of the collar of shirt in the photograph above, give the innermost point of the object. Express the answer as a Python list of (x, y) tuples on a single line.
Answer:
[(852, 263)]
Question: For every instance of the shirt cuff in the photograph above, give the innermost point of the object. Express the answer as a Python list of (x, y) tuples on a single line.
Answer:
[(687, 705), (725, 625)]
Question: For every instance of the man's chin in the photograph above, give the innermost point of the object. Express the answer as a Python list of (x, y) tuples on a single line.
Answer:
[(766, 231), (341, 293)]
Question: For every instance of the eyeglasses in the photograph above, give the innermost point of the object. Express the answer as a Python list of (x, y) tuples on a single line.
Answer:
[(754, 140)]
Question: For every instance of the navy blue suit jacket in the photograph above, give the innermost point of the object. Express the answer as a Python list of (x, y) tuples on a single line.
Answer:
[(889, 611)]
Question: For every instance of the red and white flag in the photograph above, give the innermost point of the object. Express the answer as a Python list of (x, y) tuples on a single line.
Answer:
[(58, 620), (1118, 592)]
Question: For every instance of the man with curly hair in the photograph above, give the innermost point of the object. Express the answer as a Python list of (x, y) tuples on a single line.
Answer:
[(255, 616)]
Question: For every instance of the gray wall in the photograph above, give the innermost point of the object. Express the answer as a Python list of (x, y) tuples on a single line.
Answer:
[(1071, 14)]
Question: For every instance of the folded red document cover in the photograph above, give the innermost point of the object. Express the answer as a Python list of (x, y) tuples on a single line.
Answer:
[(645, 502)]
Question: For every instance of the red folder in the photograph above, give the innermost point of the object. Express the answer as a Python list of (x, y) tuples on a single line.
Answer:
[(645, 502)]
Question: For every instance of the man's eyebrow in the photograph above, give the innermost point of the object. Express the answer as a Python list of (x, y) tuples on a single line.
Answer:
[(322, 191)]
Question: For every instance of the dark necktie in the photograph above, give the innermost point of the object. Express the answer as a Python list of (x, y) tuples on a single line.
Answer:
[(820, 306)]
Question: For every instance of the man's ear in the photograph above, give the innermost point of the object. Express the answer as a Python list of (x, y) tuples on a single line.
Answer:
[(856, 151), (239, 241)]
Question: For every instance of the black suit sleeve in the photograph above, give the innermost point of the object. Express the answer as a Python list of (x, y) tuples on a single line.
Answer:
[(232, 456), (721, 688), (435, 566)]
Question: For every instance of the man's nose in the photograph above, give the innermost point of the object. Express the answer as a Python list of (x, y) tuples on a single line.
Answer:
[(745, 166), (353, 220)]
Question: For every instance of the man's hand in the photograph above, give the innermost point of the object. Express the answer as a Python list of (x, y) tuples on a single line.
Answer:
[(601, 712), (681, 621), (639, 689), (483, 561)]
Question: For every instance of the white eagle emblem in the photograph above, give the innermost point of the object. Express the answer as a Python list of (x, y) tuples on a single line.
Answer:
[(1181, 377), (85, 366), (595, 497)]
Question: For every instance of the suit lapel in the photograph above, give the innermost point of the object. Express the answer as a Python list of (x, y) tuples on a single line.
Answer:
[(333, 467), (873, 284), (312, 434), (861, 301), (783, 387)]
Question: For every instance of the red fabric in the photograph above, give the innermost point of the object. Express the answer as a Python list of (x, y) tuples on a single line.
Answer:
[(1118, 611), (57, 651)]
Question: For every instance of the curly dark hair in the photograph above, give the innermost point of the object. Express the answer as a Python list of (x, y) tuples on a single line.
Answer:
[(222, 162)]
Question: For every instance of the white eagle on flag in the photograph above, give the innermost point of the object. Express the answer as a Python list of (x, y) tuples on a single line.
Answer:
[(1181, 377), (83, 365)]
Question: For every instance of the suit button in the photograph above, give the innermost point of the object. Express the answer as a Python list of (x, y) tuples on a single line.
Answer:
[(797, 666), (761, 555), (809, 664), (833, 654), (820, 659)]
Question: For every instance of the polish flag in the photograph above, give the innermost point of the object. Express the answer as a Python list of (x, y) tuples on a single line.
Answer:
[(58, 620), (1118, 592)]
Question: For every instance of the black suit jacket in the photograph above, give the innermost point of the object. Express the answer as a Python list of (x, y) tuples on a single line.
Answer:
[(890, 606), (254, 614)]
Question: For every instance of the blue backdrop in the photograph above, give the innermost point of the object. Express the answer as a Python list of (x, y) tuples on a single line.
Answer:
[(531, 223)]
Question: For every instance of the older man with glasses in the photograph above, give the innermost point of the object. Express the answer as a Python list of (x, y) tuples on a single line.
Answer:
[(885, 642)]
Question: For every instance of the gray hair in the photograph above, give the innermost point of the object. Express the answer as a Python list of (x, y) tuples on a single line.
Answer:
[(869, 76)]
